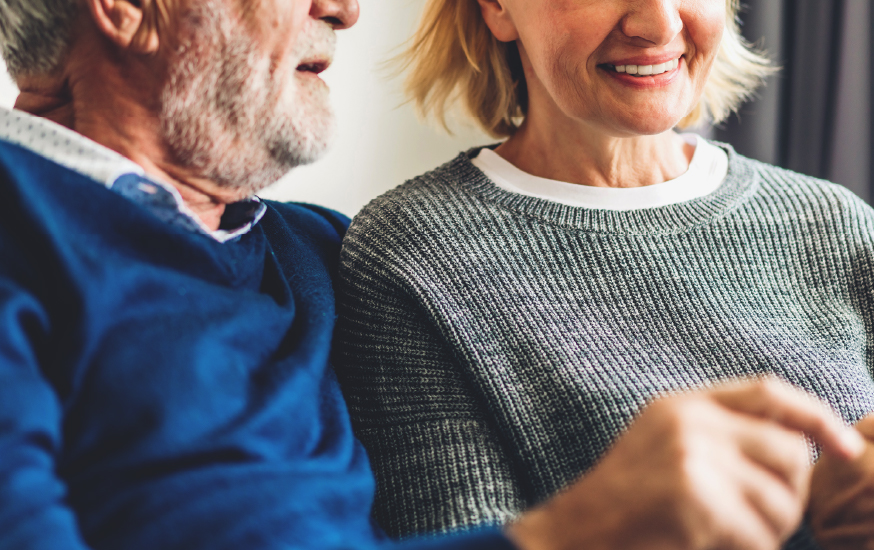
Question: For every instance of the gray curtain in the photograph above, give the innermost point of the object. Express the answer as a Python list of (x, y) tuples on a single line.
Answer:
[(815, 115)]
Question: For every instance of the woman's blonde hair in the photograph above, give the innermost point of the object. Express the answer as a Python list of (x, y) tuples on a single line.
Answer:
[(454, 58)]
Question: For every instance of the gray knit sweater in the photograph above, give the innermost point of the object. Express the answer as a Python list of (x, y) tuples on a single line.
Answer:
[(491, 345)]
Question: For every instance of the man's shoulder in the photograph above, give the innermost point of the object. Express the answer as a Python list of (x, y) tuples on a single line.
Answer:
[(297, 231), (46, 197), (308, 218), (20, 163)]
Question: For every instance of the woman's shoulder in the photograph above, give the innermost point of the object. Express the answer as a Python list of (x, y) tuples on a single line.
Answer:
[(785, 194), (439, 194), (777, 182)]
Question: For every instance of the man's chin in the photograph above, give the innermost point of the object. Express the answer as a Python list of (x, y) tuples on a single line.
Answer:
[(282, 161), (302, 151)]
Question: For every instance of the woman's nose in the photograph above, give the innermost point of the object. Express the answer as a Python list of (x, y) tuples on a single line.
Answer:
[(656, 21), (341, 14)]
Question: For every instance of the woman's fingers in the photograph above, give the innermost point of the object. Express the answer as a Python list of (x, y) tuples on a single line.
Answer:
[(841, 509), (780, 452), (773, 468), (866, 427), (777, 507), (778, 402)]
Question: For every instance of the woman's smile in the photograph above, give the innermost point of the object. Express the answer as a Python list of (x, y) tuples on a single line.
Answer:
[(642, 76)]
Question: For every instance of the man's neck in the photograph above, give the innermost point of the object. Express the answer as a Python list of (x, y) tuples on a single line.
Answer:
[(126, 123), (42, 97)]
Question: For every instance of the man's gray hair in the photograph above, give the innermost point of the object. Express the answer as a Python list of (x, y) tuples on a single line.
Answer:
[(35, 34)]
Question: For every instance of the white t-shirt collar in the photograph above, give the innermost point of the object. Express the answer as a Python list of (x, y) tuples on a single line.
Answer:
[(706, 173)]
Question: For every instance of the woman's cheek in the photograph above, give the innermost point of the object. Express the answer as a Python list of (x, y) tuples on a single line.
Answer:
[(706, 38), (706, 25)]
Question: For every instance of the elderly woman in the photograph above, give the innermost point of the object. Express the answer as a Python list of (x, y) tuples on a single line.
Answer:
[(505, 316)]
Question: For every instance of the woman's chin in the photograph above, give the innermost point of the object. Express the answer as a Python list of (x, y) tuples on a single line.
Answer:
[(630, 118), (631, 126), (645, 113)]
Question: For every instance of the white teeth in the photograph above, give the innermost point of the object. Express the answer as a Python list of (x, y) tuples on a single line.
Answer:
[(648, 70)]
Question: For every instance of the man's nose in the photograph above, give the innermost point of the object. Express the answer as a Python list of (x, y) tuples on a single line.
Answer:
[(656, 21), (341, 14)]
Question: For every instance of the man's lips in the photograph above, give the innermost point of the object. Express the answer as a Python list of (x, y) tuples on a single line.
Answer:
[(315, 66)]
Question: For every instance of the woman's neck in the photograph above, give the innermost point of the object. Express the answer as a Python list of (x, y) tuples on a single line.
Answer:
[(562, 149)]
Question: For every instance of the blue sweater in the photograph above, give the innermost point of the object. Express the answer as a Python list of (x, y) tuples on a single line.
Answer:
[(160, 390)]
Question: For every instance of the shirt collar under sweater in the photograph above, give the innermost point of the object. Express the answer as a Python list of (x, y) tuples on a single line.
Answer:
[(740, 182), (84, 156)]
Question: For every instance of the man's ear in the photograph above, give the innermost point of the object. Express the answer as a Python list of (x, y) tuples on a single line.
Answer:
[(498, 20), (129, 24)]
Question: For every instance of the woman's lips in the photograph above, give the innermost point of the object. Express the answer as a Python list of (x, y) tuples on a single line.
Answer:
[(648, 70), (645, 76)]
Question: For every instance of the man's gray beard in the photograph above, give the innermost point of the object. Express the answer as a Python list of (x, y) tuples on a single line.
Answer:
[(227, 117)]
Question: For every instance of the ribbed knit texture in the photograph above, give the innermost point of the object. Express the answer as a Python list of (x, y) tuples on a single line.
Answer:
[(492, 346)]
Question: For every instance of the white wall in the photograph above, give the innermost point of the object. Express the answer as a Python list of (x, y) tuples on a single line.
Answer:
[(8, 91), (380, 143)]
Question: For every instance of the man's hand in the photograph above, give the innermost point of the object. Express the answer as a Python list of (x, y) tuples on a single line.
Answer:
[(842, 498), (721, 469)]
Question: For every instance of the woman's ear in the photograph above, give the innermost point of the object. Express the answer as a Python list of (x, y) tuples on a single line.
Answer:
[(498, 20), (129, 24)]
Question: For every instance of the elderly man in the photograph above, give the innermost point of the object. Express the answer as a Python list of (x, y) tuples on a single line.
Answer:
[(164, 379)]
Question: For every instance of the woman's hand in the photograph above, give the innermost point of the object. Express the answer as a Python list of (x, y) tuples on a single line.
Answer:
[(841, 509), (721, 469)]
